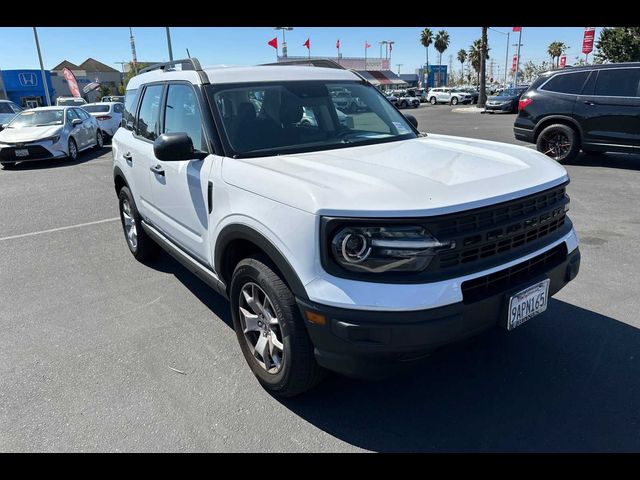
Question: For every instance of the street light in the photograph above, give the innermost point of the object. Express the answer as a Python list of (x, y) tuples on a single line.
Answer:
[(284, 41), (506, 55)]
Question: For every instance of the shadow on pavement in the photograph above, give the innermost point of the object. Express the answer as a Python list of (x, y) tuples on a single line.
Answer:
[(568, 380), (625, 161)]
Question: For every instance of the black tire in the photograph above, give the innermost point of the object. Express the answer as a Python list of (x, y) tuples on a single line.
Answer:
[(99, 140), (433, 100), (558, 141), (299, 370), (144, 248), (404, 104), (72, 148), (454, 100), (8, 166)]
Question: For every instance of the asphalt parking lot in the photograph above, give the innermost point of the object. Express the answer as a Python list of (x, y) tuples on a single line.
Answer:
[(89, 338)]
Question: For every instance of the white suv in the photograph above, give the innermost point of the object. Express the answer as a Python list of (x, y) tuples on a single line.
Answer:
[(353, 247), (448, 95)]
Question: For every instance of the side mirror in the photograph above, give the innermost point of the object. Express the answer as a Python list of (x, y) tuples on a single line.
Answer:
[(175, 146), (76, 121), (412, 120), (3, 126)]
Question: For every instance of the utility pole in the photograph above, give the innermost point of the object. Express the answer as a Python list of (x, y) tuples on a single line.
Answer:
[(44, 77), (169, 44), (519, 44), (133, 51), (284, 40), (399, 65)]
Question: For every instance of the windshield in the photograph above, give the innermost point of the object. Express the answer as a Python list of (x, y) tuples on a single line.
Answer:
[(6, 107), (510, 92), (272, 119), (96, 108), (38, 118)]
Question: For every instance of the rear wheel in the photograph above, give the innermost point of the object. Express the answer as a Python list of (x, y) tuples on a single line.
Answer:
[(140, 244), (99, 140), (270, 329), (404, 104), (559, 142)]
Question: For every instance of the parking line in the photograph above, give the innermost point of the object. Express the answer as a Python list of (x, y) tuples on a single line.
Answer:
[(79, 225)]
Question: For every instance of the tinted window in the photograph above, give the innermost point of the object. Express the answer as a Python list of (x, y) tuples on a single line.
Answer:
[(72, 115), (5, 108), (83, 115), (182, 114), (622, 82), (566, 83), (129, 105), (97, 108), (149, 116)]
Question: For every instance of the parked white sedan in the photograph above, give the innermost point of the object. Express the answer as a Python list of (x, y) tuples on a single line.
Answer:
[(108, 115), (46, 133), (8, 110)]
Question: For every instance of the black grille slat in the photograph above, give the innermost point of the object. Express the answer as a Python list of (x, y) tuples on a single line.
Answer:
[(488, 285)]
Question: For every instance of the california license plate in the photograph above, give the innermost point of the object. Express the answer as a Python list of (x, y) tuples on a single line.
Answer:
[(22, 152), (527, 304)]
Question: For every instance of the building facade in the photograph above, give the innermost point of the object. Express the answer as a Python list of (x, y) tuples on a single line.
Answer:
[(25, 87), (87, 72)]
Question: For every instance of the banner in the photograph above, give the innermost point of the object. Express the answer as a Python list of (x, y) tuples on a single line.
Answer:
[(514, 64), (71, 81), (587, 41), (563, 61)]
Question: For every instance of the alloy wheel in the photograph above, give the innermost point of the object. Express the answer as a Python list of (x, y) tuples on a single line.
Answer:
[(556, 145), (129, 224), (261, 328)]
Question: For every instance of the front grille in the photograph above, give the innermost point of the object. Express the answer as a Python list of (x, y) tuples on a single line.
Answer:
[(36, 152), (503, 280), (495, 230)]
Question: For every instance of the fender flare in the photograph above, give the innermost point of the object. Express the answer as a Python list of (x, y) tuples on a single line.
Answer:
[(551, 118), (234, 232), (117, 172)]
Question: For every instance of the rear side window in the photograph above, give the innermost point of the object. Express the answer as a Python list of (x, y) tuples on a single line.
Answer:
[(149, 115), (619, 82), (566, 83), (129, 105), (83, 115)]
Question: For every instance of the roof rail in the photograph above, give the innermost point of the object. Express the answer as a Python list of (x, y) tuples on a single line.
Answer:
[(186, 63), (315, 62)]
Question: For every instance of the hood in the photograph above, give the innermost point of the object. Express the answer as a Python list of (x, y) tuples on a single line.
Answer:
[(503, 98), (425, 176), (28, 134)]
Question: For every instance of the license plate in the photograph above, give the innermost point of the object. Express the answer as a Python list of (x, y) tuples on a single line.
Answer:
[(527, 304), (22, 152)]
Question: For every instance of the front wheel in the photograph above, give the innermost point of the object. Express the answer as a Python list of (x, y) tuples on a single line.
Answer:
[(403, 104), (8, 166), (270, 329), (432, 100), (454, 101), (559, 142), (72, 148)]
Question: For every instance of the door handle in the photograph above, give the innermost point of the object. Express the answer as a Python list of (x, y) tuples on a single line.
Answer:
[(589, 102), (157, 169), (127, 156)]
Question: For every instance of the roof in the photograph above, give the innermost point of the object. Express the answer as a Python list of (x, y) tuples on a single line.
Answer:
[(93, 65), (252, 74), (601, 66), (67, 64), (382, 77)]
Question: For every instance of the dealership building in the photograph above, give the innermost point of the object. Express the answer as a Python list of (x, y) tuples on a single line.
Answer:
[(89, 71), (25, 87)]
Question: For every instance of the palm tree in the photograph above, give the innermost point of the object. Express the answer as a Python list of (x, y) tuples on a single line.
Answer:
[(474, 56), (426, 39), (482, 99), (555, 50), (462, 57), (441, 43)]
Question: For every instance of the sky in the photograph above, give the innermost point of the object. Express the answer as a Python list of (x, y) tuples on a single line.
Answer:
[(248, 45)]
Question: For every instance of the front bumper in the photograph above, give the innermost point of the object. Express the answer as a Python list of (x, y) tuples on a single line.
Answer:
[(44, 150), (505, 107), (372, 344)]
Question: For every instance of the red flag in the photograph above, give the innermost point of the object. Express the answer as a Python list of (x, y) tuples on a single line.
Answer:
[(587, 40), (338, 44), (273, 43), (366, 45), (307, 44), (563, 61), (390, 47), (517, 29), (514, 63)]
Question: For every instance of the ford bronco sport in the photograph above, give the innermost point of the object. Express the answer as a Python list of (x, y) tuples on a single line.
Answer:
[(346, 246)]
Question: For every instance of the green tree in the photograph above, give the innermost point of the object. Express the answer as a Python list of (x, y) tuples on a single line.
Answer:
[(104, 90), (555, 51), (618, 44), (131, 73), (426, 39), (474, 57), (462, 57), (441, 43)]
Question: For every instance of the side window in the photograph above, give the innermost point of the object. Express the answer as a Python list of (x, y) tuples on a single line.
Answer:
[(72, 115), (118, 108), (149, 116), (619, 82), (182, 114), (130, 100), (83, 114), (566, 83)]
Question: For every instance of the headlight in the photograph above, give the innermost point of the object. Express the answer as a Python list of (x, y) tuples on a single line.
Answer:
[(55, 139), (379, 249)]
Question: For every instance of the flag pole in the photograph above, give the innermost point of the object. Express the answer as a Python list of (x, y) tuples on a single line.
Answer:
[(365, 55), (44, 77)]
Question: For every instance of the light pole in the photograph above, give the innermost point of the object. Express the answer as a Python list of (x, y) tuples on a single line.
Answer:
[(44, 77), (399, 65), (284, 41), (515, 74), (169, 44), (506, 55)]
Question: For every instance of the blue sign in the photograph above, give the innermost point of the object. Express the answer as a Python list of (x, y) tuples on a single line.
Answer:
[(436, 75), (21, 84)]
